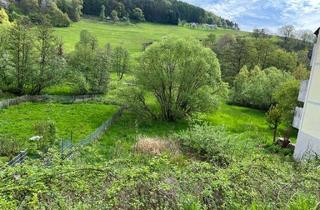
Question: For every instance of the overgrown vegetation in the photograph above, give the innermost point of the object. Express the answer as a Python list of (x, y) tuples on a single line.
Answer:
[(174, 147), (252, 179)]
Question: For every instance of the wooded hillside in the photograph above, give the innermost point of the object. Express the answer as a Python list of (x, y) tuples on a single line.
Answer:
[(163, 11), (60, 13)]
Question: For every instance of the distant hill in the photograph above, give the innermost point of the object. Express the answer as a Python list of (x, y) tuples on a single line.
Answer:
[(60, 13), (158, 11)]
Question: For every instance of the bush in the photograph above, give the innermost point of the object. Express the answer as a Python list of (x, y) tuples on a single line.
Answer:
[(134, 183), (161, 182), (4, 18), (9, 147), (254, 88), (56, 17), (209, 143), (90, 65), (47, 131)]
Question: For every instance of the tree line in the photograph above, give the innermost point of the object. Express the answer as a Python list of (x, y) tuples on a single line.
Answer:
[(33, 59), (265, 71), (159, 11), (60, 13), (234, 52)]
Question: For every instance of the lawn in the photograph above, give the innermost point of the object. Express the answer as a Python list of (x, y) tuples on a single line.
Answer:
[(80, 119), (131, 36)]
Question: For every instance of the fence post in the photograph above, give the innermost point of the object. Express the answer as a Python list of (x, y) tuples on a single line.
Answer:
[(62, 149)]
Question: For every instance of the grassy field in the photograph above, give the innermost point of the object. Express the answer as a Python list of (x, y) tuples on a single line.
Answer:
[(119, 140), (80, 119), (131, 36)]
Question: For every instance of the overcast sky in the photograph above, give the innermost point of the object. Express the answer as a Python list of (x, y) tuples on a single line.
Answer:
[(304, 14)]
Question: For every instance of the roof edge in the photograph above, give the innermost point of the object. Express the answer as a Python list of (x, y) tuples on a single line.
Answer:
[(317, 32)]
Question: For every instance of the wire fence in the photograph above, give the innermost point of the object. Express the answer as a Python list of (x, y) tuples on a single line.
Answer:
[(49, 98), (67, 147), (68, 151), (18, 159)]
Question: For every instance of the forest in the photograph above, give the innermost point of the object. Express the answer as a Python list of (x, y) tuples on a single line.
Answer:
[(103, 114), (60, 13)]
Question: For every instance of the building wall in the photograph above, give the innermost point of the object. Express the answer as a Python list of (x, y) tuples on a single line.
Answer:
[(309, 131)]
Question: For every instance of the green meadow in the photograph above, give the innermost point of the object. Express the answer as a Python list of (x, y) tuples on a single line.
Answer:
[(78, 119), (132, 36)]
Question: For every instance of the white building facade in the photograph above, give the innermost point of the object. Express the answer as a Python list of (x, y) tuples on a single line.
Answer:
[(307, 119)]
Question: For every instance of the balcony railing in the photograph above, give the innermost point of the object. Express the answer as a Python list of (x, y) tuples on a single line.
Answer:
[(297, 117), (303, 90)]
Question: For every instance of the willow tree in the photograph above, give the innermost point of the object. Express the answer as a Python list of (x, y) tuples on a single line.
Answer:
[(183, 76)]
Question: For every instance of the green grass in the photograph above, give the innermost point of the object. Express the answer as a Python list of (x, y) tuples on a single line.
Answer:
[(131, 36), (238, 119), (119, 140), (80, 119)]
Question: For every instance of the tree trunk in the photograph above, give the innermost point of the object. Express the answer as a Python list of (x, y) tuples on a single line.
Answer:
[(275, 134), (286, 141)]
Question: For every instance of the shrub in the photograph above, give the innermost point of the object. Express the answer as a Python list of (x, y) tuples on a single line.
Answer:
[(160, 182), (4, 18), (47, 131), (9, 147), (56, 17), (137, 15), (254, 88), (209, 143)]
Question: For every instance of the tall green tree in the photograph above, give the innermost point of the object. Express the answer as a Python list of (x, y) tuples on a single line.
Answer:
[(21, 55), (75, 10), (90, 65), (4, 61), (234, 53), (120, 61), (49, 69), (182, 75), (255, 88), (286, 96), (281, 59)]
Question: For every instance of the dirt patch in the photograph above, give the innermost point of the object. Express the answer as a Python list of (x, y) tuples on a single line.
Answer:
[(156, 146)]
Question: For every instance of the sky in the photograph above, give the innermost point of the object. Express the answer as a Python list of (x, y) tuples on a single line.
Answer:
[(271, 14)]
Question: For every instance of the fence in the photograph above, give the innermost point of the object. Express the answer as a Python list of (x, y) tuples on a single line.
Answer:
[(67, 148), (48, 98), (68, 151), (18, 159)]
